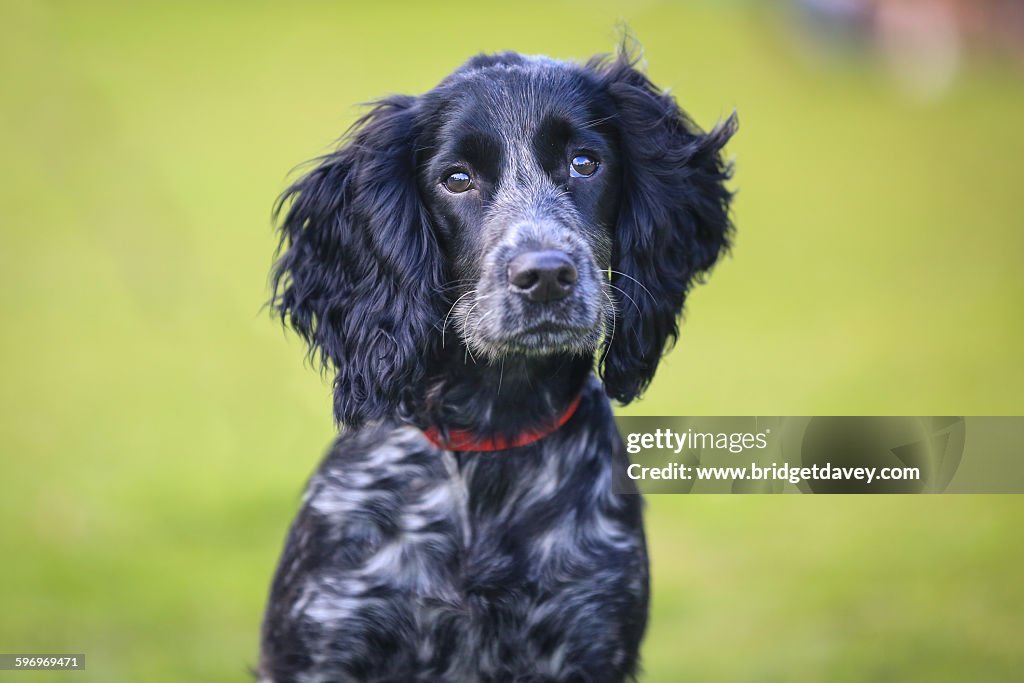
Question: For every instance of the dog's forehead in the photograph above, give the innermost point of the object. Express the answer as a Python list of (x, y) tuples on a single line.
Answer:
[(515, 97)]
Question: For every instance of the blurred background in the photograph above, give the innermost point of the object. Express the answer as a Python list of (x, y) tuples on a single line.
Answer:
[(156, 426)]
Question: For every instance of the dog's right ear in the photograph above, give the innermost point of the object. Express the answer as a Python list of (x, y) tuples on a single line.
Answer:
[(359, 269)]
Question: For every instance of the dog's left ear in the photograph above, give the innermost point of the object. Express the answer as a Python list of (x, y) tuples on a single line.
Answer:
[(673, 220)]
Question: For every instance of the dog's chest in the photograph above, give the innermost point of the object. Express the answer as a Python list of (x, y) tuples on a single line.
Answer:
[(478, 566)]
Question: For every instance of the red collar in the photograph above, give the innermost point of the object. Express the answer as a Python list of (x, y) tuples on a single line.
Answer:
[(466, 440)]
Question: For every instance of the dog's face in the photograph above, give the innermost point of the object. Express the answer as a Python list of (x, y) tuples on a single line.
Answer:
[(522, 180), (525, 206)]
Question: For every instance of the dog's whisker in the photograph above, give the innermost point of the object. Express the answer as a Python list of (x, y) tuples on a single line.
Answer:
[(631, 300), (638, 310), (445, 324), (611, 337), (630, 277), (597, 122), (465, 324), (454, 284)]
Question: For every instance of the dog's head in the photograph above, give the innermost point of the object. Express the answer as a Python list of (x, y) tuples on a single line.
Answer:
[(525, 206)]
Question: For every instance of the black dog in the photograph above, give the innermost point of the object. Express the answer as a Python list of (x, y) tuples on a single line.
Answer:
[(461, 262)]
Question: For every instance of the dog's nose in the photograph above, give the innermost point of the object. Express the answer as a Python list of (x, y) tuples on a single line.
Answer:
[(542, 275)]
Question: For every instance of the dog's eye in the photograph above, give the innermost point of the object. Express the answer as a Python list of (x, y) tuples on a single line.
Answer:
[(583, 166), (458, 182)]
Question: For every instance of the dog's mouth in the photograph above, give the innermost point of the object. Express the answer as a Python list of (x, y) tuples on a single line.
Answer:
[(550, 327), (539, 338), (549, 334)]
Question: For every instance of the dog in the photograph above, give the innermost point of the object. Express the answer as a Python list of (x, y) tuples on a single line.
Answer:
[(483, 267)]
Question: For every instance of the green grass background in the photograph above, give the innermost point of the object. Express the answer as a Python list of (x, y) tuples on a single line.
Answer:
[(156, 426)]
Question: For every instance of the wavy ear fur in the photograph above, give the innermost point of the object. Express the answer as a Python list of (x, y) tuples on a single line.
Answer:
[(673, 220), (359, 270)]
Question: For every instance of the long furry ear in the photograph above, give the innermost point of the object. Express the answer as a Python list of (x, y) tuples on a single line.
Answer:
[(673, 220), (359, 269)]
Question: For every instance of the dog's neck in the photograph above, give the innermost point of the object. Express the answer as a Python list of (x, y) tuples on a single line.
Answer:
[(506, 397)]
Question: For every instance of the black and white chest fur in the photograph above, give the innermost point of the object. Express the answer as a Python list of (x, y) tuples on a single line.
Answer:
[(410, 563)]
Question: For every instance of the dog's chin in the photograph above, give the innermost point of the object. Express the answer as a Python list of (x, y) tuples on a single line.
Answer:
[(542, 339)]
